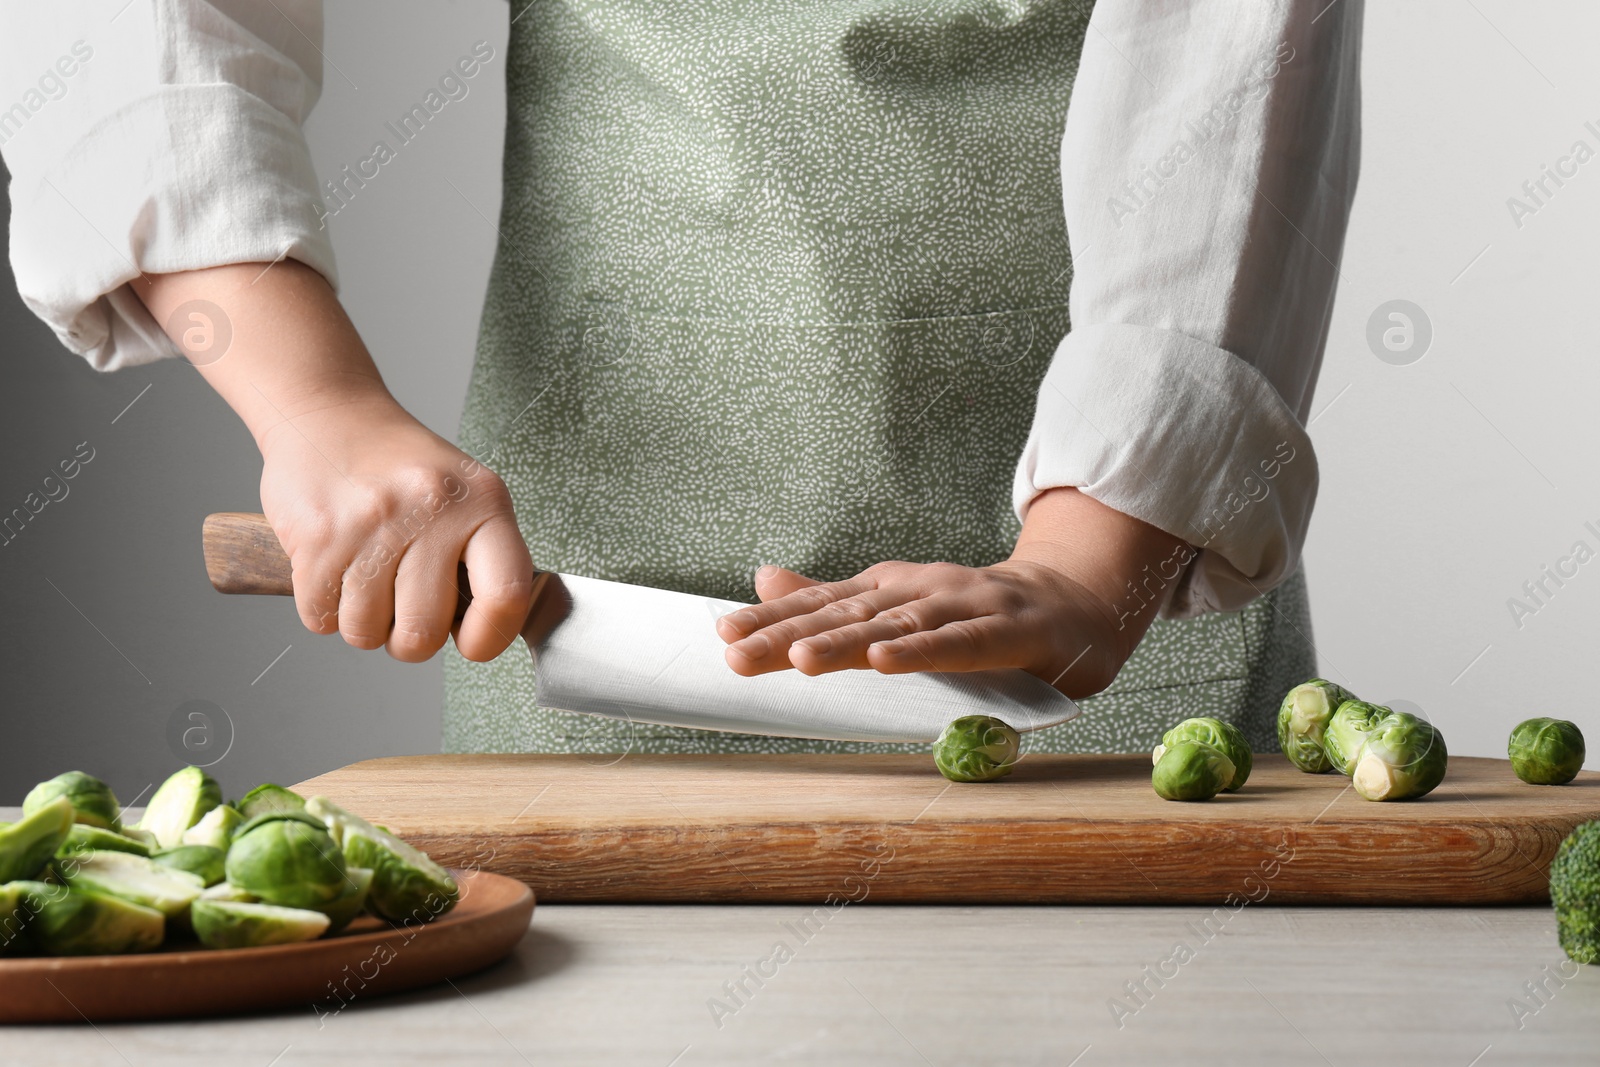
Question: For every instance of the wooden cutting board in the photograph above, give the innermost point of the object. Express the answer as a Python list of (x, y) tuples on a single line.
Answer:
[(1062, 829)]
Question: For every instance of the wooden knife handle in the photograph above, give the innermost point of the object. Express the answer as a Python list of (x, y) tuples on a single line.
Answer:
[(243, 555)]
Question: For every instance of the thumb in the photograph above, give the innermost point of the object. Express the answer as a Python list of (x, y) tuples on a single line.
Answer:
[(773, 582)]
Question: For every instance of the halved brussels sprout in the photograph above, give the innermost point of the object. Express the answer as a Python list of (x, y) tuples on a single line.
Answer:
[(976, 748), (202, 861), (231, 924), (1403, 757), (406, 884), (288, 859), (133, 878), (93, 803), (27, 845), (1303, 721), (1191, 770), (67, 921), (180, 802), (1222, 736), (85, 838), (349, 904), (267, 799), (1546, 751), (1347, 732), (215, 828), (229, 891), (144, 837), (13, 921)]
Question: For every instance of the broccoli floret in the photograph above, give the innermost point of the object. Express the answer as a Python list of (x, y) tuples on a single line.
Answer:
[(1575, 892)]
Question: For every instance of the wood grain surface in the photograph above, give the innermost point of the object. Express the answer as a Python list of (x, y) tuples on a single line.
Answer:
[(1062, 829)]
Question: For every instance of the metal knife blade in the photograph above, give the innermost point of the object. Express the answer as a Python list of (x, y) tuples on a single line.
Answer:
[(653, 656)]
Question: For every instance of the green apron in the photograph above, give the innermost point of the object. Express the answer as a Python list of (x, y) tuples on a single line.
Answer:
[(778, 283)]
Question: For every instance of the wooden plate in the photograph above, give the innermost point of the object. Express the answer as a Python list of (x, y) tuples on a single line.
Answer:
[(369, 958)]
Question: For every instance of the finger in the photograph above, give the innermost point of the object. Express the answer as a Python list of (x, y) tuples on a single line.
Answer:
[(500, 572), (366, 595), (768, 648), (964, 645), (316, 594), (801, 601), (845, 648), (774, 582), (424, 601)]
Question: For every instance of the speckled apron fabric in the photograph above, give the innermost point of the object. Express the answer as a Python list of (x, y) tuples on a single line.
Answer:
[(777, 283)]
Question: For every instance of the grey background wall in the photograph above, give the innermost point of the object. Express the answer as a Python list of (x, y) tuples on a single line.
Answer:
[(1449, 480)]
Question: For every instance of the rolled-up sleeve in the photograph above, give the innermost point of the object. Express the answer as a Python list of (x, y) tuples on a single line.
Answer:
[(1208, 166), (154, 136)]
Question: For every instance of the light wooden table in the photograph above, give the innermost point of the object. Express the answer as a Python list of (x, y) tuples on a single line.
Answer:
[(888, 985)]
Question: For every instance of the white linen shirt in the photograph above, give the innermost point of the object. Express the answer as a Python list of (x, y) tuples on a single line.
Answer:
[(1209, 161)]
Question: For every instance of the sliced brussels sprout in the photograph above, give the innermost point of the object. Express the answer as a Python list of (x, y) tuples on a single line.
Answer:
[(1223, 736), (85, 838), (1347, 732), (1191, 770), (229, 891), (289, 859), (202, 861), (13, 921), (1546, 751), (144, 837), (350, 903), (93, 803), (215, 828), (133, 878), (976, 748), (27, 845), (180, 802), (1303, 721), (233, 924), (69, 921), (406, 884), (267, 799), (1403, 757)]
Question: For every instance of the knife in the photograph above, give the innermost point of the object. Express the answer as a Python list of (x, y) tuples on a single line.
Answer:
[(653, 656)]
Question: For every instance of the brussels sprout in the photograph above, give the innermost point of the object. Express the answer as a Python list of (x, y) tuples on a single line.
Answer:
[(68, 921), (1575, 893), (132, 878), (976, 748), (229, 891), (1191, 770), (265, 799), (1222, 736), (350, 903), (1403, 757), (202, 861), (85, 838), (27, 845), (229, 924), (1546, 751), (1303, 719), (406, 884), (93, 803), (144, 837), (288, 859), (1347, 731), (215, 828), (180, 803), (13, 920)]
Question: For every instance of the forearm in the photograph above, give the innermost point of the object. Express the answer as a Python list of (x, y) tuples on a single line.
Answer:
[(292, 349)]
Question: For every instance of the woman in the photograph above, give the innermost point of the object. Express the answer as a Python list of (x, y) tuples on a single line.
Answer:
[(780, 311)]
